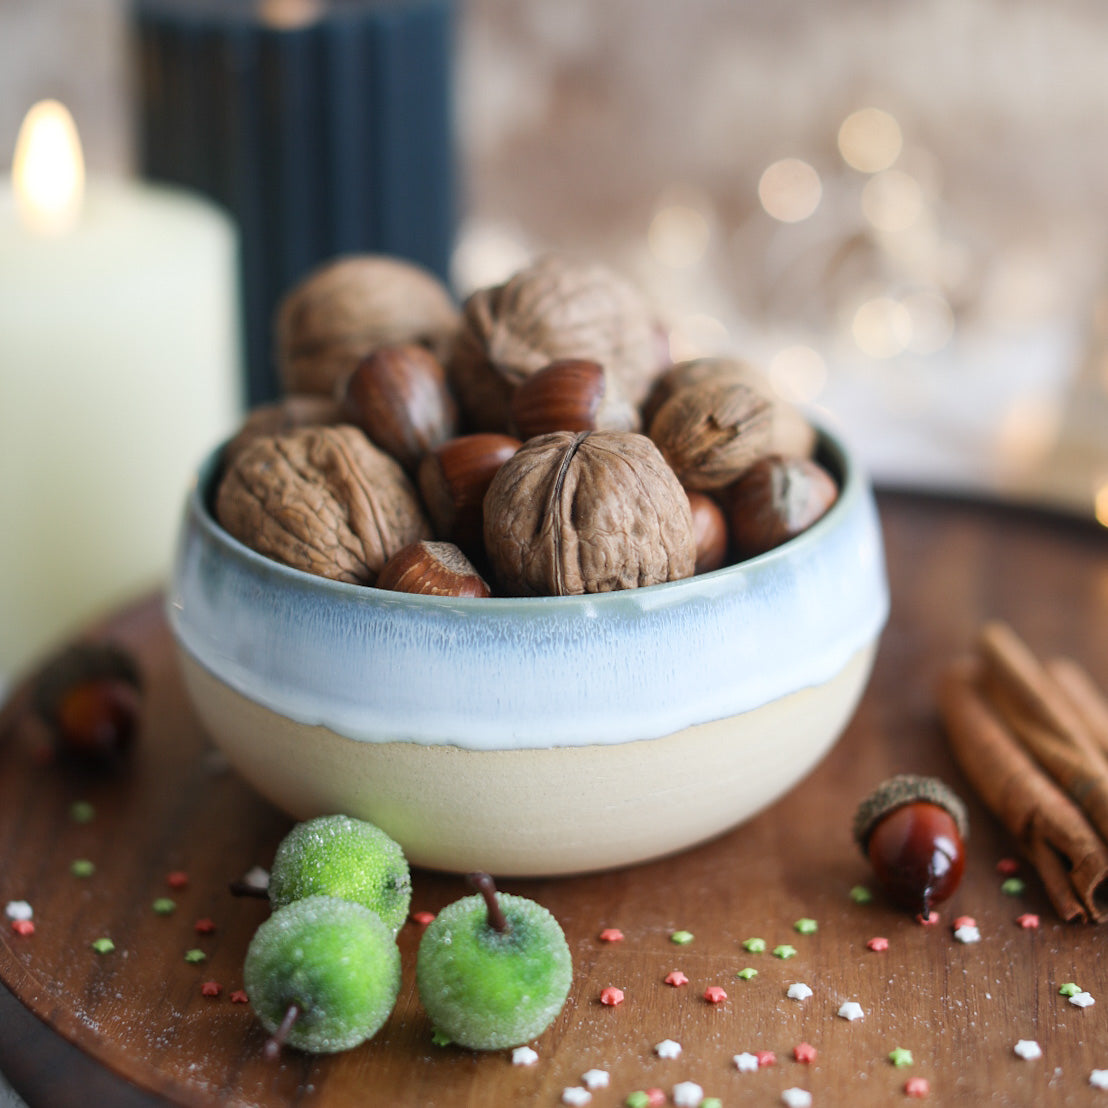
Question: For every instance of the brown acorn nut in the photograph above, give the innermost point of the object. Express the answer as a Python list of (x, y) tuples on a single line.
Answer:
[(710, 530), (913, 830), (570, 395), (555, 308), (588, 512), (453, 479), (284, 415), (433, 569), (348, 307), (775, 500), (324, 500), (398, 397), (710, 433)]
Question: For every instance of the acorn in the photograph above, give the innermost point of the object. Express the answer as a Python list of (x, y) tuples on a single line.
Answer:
[(913, 830)]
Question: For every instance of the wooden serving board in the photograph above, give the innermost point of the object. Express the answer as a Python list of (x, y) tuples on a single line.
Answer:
[(132, 1026)]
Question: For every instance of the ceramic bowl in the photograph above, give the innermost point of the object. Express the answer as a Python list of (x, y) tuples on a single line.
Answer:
[(533, 736)]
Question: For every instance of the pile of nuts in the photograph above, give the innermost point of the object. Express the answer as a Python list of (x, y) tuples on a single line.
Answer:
[(539, 439)]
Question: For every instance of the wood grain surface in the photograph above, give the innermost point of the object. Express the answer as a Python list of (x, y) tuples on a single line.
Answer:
[(132, 1027)]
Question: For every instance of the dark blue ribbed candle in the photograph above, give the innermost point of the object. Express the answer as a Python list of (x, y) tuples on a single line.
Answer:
[(333, 135)]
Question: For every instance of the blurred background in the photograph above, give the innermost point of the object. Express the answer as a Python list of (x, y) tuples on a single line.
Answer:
[(897, 210)]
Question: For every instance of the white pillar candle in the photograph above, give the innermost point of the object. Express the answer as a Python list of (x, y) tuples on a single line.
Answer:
[(119, 369)]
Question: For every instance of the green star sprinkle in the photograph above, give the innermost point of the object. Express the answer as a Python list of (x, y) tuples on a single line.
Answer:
[(164, 906), (754, 946), (711, 1102), (901, 1057), (1013, 886), (784, 951), (806, 926), (747, 974), (82, 867), (681, 938), (439, 1039), (81, 811), (195, 955), (637, 1099), (860, 894), (103, 946), (1069, 989)]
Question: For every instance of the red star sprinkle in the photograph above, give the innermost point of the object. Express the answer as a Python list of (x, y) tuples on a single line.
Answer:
[(1007, 867), (611, 935), (964, 921), (178, 879), (1028, 921), (23, 926), (655, 1098), (611, 996), (713, 994), (422, 918), (919, 1087), (239, 997), (878, 943), (765, 1058), (930, 919), (676, 979), (211, 988), (203, 926), (804, 1052)]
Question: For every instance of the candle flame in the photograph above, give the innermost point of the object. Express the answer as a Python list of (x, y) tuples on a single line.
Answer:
[(48, 171)]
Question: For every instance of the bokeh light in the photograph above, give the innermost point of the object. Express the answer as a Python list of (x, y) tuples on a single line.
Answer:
[(892, 200), (486, 254), (790, 190), (870, 140), (1100, 504), (679, 235), (698, 336), (882, 327), (932, 322), (798, 373)]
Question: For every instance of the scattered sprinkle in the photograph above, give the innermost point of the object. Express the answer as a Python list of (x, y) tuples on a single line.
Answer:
[(178, 879), (667, 1048), (1029, 1049), (211, 988), (611, 935), (806, 926), (164, 906), (746, 1062), (964, 921), (18, 910), (256, 878), (968, 935), (901, 1057), (687, 1094), (438, 1038), (784, 951), (796, 1098), (24, 927), (804, 1052), (747, 972), (655, 1097), (1099, 1079), (103, 946), (1007, 867), (82, 867), (1028, 921), (204, 926), (711, 1102), (917, 1087), (798, 991), (713, 994), (637, 1099), (681, 938), (1013, 886), (929, 920), (596, 1079), (81, 811), (754, 946), (239, 997), (765, 1058), (576, 1095), (851, 1010), (524, 1056), (1070, 988), (423, 918), (611, 996), (1082, 1000), (861, 895), (676, 978), (878, 944), (195, 955)]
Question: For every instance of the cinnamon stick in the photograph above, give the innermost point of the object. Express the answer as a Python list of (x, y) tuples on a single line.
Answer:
[(1084, 697)]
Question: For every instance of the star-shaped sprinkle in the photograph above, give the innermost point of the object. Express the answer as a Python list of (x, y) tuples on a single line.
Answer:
[(1028, 921), (796, 1098), (1013, 886), (524, 1056), (1028, 1049), (746, 1062), (611, 935), (798, 991), (711, 1102), (804, 1052), (256, 878), (713, 994), (929, 920), (754, 946), (917, 1087), (747, 972), (901, 1057), (676, 978), (806, 926), (81, 811), (178, 879), (851, 1010), (596, 1079), (687, 1094), (194, 956), (82, 867), (964, 921), (765, 1058), (1007, 867), (239, 996), (204, 926), (637, 1099), (1082, 1000), (611, 996), (1099, 1079), (18, 910), (575, 1095), (784, 951), (656, 1097), (861, 895), (24, 927), (668, 1048), (878, 944), (423, 918), (211, 988), (681, 938), (1070, 988), (439, 1038), (103, 946), (967, 935), (163, 906)]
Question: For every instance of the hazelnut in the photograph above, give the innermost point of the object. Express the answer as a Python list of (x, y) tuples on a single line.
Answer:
[(453, 479), (709, 530), (711, 432), (398, 397), (776, 499), (570, 395), (434, 569)]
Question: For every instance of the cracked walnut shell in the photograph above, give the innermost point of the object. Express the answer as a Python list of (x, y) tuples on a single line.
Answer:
[(321, 499), (587, 512)]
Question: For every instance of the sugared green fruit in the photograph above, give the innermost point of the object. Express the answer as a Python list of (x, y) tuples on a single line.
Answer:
[(347, 858), (493, 970), (322, 974)]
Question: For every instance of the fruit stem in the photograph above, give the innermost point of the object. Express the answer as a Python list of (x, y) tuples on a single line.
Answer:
[(483, 883), (277, 1040), (241, 888)]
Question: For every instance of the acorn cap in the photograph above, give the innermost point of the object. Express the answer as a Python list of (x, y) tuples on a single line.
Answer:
[(906, 788)]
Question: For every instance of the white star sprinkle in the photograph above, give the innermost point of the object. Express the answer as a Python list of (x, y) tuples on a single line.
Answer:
[(746, 1062), (1099, 1079), (797, 1098), (524, 1056), (256, 878), (667, 1048), (576, 1096), (851, 1010), (595, 1079), (968, 934), (688, 1094), (798, 991), (1029, 1049), (1082, 1000), (18, 910)]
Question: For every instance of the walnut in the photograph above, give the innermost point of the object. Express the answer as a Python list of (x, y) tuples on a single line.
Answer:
[(712, 432), (585, 512), (321, 499), (282, 416), (556, 308), (347, 308)]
